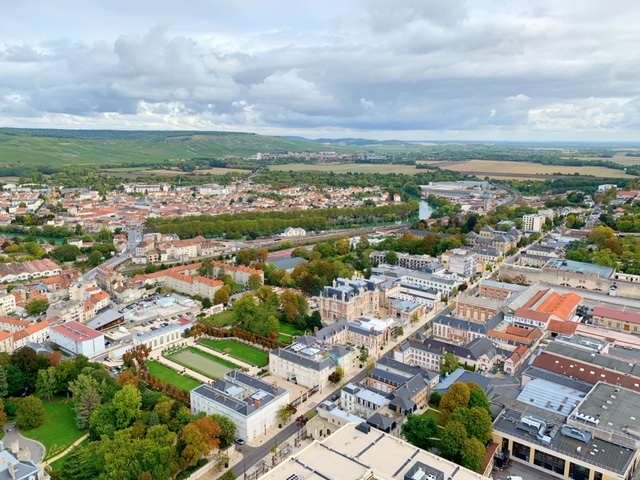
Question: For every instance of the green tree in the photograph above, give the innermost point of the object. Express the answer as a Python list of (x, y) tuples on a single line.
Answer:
[(95, 258), (337, 375), (477, 422), (477, 397), (4, 386), (206, 302), (228, 475), (3, 415), (457, 396), (85, 404), (206, 269), (452, 441), (30, 413), (228, 280), (255, 281), (391, 257), (435, 399), (289, 304), (46, 382), (37, 306), (448, 363), (227, 429), (473, 454), (65, 253), (126, 406), (420, 431)]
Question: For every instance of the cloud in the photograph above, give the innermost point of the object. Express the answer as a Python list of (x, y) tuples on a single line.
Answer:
[(419, 69)]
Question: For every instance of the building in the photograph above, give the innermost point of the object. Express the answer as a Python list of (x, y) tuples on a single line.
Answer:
[(461, 261), (309, 363), (498, 290), (541, 306), (619, 320), (161, 337), (252, 404), (406, 312), (405, 260), (7, 304), (476, 309), (458, 330), (440, 282), (492, 238), (18, 272), (293, 232), (356, 451), (34, 333), (533, 223), (360, 400), (16, 464), (78, 339), (349, 299), (202, 287)]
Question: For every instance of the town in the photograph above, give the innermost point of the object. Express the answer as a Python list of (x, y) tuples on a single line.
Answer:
[(479, 337)]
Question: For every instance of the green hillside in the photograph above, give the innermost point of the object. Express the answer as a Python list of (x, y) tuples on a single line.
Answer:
[(32, 147)]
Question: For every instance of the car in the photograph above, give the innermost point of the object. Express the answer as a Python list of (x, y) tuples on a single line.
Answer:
[(239, 441), (335, 397)]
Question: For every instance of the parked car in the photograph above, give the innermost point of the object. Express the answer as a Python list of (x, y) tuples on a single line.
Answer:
[(239, 441)]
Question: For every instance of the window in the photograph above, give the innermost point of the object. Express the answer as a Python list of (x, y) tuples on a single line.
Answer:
[(578, 472), (549, 462), (521, 451)]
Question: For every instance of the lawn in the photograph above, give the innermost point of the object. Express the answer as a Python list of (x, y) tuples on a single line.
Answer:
[(435, 414), (224, 319), (238, 350), (202, 362), (59, 430), (169, 375), (284, 338), (290, 329), (58, 464)]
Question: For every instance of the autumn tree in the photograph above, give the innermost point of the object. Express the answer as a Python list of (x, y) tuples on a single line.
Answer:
[(227, 429), (457, 396), (222, 295), (289, 304), (255, 281), (473, 455)]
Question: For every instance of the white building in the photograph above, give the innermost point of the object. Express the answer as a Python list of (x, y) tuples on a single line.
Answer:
[(311, 365), (161, 337), (361, 401), (77, 338), (249, 402), (416, 277), (533, 223), (606, 186), (7, 304), (461, 261), (294, 232)]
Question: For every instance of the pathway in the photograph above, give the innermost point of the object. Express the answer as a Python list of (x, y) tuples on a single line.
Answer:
[(63, 453)]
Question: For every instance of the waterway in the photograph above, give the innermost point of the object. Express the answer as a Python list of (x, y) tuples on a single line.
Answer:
[(425, 210)]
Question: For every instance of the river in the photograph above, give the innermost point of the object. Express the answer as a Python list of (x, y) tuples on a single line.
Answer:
[(425, 210)]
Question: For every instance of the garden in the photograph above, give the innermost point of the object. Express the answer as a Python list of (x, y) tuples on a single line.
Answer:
[(238, 350), (201, 362), (168, 375)]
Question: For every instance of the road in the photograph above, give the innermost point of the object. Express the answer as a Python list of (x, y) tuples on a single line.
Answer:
[(11, 434), (134, 238)]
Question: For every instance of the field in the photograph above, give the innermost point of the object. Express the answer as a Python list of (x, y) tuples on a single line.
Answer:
[(347, 167), (168, 375), (133, 172), (26, 147), (239, 350), (290, 329), (59, 429), (433, 414), (202, 362), (224, 319), (621, 159), (525, 170)]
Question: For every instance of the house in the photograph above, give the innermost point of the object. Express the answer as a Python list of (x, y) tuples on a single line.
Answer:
[(250, 403), (78, 339), (349, 299), (361, 400), (293, 232)]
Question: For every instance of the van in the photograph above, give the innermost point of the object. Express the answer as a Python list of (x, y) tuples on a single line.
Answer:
[(514, 477)]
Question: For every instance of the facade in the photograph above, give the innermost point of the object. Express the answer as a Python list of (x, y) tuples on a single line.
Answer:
[(444, 284), (359, 400), (476, 309), (293, 232), (410, 292), (406, 312), (161, 337), (405, 260), (542, 306), (309, 363), (461, 261), (35, 333), (78, 339), (16, 272), (479, 353), (618, 320), (249, 402), (457, 330), (193, 286), (498, 290), (349, 299), (490, 237), (7, 304), (533, 223)]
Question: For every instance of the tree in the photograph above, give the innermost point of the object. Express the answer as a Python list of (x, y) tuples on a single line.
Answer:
[(477, 422), (86, 402), (452, 441), (30, 413), (37, 306), (228, 280), (3, 415), (448, 363), (194, 446), (435, 399), (210, 431), (228, 475), (126, 406), (391, 257), (337, 375), (227, 429), (222, 295), (419, 430), (207, 303), (16, 380), (206, 269), (478, 398), (65, 253), (289, 304), (284, 413), (255, 281), (26, 359), (457, 396), (4, 386), (46, 382), (473, 454)]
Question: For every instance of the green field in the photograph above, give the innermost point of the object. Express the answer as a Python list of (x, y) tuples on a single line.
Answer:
[(290, 329), (168, 375), (224, 319), (203, 363), (27, 147), (433, 414), (59, 430), (347, 167), (238, 350)]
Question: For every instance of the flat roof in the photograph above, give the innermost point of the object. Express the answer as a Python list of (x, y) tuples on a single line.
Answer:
[(614, 458), (580, 267), (550, 396), (351, 453), (622, 412)]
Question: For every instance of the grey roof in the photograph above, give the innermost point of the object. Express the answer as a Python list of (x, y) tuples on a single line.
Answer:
[(303, 360), (580, 267), (475, 327), (331, 330), (496, 284), (574, 383), (348, 288), (403, 400), (614, 458), (381, 422), (105, 318), (464, 376), (23, 469), (551, 396), (159, 331), (286, 263), (593, 358), (387, 377)]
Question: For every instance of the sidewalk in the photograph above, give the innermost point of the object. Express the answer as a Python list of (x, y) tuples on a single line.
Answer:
[(63, 453)]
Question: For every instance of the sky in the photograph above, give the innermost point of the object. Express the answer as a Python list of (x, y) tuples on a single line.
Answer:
[(406, 69)]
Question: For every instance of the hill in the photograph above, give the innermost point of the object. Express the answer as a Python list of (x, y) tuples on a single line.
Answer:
[(111, 148)]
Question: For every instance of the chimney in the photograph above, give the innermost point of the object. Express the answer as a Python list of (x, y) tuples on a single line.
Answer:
[(257, 403)]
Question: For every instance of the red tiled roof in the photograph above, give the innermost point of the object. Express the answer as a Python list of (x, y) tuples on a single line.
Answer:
[(566, 328), (76, 331), (630, 317)]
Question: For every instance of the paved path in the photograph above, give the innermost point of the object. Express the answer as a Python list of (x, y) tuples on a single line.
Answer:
[(63, 453), (11, 434)]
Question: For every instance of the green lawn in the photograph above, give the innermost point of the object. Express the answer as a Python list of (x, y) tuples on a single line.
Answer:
[(58, 464), (284, 338), (433, 414), (224, 319), (202, 362), (59, 429), (238, 350), (168, 375), (290, 329)]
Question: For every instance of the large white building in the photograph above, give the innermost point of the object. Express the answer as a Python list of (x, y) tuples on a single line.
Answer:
[(533, 223), (252, 404), (7, 304), (77, 338)]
